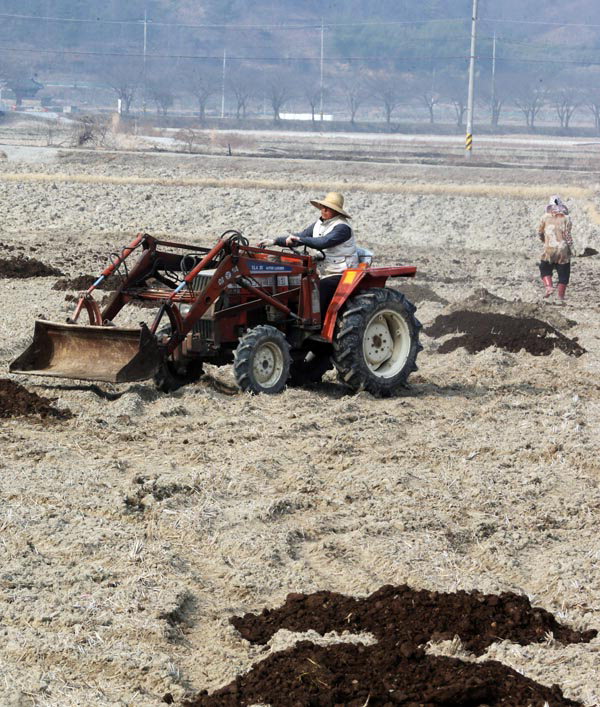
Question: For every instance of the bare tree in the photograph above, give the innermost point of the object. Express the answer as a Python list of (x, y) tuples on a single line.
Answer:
[(277, 91), (89, 130), (355, 93), (530, 99), (162, 94), (243, 87), (430, 99), (124, 79), (592, 101), (312, 94), (566, 101), (190, 138), (202, 86), (495, 96), (387, 90), (586, 80)]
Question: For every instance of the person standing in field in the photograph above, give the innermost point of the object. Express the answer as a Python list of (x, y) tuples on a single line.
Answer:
[(555, 233)]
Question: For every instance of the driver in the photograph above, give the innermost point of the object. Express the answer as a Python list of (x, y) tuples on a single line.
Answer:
[(331, 234)]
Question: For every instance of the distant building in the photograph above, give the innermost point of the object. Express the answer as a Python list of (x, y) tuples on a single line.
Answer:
[(304, 116)]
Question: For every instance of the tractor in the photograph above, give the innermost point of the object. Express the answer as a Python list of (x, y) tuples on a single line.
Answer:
[(254, 307)]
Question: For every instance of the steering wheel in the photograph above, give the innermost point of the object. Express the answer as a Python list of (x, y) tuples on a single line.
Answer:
[(317, 255)]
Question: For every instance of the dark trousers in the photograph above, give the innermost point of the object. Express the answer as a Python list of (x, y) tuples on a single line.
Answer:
[(563, 270), (327, 288)]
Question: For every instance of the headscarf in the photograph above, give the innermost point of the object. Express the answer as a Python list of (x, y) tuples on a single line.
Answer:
[(556, 206)]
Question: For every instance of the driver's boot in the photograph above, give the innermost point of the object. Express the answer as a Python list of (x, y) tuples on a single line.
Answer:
[(561, 292), (547, 280)]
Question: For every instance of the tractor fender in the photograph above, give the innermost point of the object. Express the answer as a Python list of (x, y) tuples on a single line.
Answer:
[(358, 279)]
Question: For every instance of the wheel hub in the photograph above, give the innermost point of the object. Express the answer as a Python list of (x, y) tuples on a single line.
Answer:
[(378, 344), (268, 364)]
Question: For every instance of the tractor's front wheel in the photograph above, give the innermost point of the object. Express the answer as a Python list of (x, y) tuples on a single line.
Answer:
[(262, 360), (171, 375), (376, 342)]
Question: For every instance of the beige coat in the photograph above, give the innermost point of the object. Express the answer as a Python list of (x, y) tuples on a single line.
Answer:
[(555, 232)]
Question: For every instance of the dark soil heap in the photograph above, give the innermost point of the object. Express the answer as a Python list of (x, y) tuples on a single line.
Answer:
[(395, 671), (485, 329), (21, 267), (16, 401), (82, 282), (416, 293)]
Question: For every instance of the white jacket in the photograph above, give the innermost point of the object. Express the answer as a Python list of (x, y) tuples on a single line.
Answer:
[(338, 257)]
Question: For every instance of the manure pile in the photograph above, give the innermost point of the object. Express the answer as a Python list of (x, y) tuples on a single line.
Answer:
[(480, 330), (17, 401), (22, 267), (396, 669)]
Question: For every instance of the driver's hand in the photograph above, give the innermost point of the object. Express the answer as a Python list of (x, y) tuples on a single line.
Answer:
[(292, 240)]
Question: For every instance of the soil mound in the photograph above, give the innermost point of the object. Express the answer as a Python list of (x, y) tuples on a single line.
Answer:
[(484, 329), (588, 252), (17, 401), (396, 670), (416, 293), (82, 282), (481, 300), (21, 267)]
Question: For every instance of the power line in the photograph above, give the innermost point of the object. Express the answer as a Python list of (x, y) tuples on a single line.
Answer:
[(220, 57), (315, 25), (158, 23), (540, 22), (378, 58)]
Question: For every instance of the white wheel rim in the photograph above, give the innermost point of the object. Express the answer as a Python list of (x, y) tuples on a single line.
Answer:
[(386, 343), (267, 365)]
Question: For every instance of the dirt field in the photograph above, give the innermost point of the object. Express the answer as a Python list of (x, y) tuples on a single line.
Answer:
[(134, 525)]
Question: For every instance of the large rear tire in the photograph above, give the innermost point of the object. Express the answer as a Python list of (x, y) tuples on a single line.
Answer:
[(262, 360), (376, 342)]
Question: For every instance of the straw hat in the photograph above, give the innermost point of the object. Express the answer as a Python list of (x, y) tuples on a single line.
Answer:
[(334, 200)]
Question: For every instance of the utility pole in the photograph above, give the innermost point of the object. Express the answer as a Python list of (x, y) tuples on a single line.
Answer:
[(144, 61), (321, 81), (469, 138), (223, 83), (493, 100)]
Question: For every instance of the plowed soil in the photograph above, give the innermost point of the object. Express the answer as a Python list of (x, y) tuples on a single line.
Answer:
[(22, 267), (482, 330), (17, 401), (397, 669), (82, 282), (133, 533)]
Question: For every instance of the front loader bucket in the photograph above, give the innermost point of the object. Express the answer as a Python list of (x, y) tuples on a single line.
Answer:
[(98, 353)]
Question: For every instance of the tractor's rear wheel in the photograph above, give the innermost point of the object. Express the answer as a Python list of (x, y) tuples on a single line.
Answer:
[(262, 360), (376, 342)]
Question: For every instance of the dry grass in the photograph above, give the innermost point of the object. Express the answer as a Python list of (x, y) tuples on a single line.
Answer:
[(516, 191)]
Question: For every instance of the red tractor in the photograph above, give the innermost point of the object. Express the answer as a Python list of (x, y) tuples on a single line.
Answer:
[(235, 303)]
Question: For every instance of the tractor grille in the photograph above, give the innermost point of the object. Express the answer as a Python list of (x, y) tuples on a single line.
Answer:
[(205, 326)]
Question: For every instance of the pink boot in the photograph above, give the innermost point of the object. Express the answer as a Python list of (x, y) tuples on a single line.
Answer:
[(561, 292), (547, 280)]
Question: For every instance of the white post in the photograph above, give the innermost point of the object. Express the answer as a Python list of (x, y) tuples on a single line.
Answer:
[(144, 62), (493, 76), (223, 83), (321, 81), (469, 138)]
